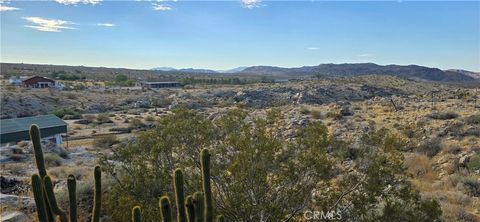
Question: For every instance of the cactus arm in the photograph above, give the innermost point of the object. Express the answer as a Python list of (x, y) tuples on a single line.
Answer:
[(136, 214), (37, 188), (72, 197), (207, 189), (97, 199), (165, 209), (52, 201), (198, 203), (190, 209), (179, 195)]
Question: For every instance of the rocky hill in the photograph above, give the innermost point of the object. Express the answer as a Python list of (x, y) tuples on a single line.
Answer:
[(359, 69)]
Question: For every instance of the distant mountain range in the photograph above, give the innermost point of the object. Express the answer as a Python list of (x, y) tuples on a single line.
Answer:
[(348, 69), (193, 70), (358, 69)]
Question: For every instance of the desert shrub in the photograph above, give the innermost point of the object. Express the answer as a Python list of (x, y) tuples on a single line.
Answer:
[(89, 117), (150, 118), (52, 159), (61, 112), (472, 131), (418, 165), (443, 115), (304, 110), (105, 141), (473, 119), (251, 159), (136, 124), (335, 115), (103, 118), (453, 149), (472, 185), (430, 147), (316, 114), (474, 162)]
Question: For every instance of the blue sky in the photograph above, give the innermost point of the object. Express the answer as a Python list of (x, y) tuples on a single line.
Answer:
[(227, 34)]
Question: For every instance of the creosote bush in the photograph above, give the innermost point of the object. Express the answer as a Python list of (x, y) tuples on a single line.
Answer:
[(257, 175)]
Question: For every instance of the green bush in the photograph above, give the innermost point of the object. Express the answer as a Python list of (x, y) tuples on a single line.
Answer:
[(61, 112), (474, 163), (259, 174)]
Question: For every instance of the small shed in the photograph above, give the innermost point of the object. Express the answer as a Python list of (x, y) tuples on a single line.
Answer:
[(17, 129), (156, 85), (38, 82)]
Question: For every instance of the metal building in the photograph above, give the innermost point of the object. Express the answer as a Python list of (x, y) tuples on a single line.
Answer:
[(17, 129)]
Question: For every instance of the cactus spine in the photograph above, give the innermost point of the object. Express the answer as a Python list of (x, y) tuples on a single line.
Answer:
[(52, 201), (165, 209), (190, 209), (179, 194), (198, 202), (136, 214), (220, 218), (72, 197), (207, 189), (38, 195), (97, 199)]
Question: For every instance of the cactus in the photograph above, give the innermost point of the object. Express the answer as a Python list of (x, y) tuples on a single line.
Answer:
[(40, 162), (136, 214), (52, 201), (190, 209), (97, 199), (72, 197), (220, 218), (207, 189), (165, 209), (198, 204), (179, 195), (38, 195)]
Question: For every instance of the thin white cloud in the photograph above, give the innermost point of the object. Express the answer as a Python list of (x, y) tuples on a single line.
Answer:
[(313, 48), (251, 3), (366, 55), (4, 8), (76, 2), (106, 24), (161, 7), (48, 25)]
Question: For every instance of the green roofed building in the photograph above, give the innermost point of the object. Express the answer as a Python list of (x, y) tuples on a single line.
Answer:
[(17, 129)]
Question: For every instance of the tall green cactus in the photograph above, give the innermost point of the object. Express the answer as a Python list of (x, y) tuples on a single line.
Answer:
[(40, 162), (190, 209), (52, 201), (136, 214), (37, 148), (72, 197), (165, 209), (97, 199), (179, 194), (37, 187), (198, 203), (207, 189)]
